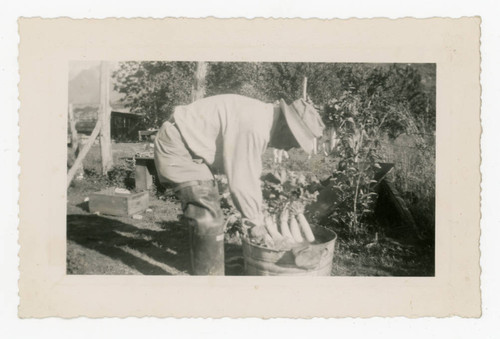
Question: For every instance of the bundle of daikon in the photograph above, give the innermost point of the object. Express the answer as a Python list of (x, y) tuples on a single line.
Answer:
[(293, 229)]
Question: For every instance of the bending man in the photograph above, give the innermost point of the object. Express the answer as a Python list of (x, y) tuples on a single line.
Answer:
[(227, 134)]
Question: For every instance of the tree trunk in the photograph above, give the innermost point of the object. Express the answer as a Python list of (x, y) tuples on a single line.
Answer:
[(105, 117), (199, 87)]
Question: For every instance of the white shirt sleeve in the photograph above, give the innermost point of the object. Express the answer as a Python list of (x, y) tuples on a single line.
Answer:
[(243, 166)]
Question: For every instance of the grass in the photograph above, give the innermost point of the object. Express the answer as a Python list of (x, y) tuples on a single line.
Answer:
[(157, 244)]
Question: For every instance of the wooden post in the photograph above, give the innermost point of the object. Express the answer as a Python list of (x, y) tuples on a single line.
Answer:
[(143, 173), (304, 89), (72, 128), (105, 118), (83, 153), (75, 144), (199, 80)]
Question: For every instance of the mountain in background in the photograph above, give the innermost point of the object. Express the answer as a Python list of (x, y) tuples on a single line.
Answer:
[(83, 88)]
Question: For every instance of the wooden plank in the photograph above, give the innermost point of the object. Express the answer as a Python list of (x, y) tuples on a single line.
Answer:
[(147, 132), (137, 203), (108, 204), (393, 213), (143, 177), (83, 153), (383, 171), (105, 117)]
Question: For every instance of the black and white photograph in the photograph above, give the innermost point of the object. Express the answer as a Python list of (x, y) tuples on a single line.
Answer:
[(251, 168)]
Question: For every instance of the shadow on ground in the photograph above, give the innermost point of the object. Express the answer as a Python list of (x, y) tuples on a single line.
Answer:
[(164, 251)]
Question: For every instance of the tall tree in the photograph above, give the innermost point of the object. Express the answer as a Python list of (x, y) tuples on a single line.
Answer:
[(242, 78), (154, 88), (401, 96), (199, 86)]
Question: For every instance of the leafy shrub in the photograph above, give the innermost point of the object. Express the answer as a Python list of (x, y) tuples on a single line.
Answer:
[(377, 102), (358, 132)]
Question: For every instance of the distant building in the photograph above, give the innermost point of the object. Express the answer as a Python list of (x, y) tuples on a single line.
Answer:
[(125, 125)]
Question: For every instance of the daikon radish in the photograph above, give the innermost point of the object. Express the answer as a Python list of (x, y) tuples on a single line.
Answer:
[(284, 228), (280, 241), (295, 229), (283, 175), (275, 225), (305, 227), (272, 229), (273, 217), (268, 241)]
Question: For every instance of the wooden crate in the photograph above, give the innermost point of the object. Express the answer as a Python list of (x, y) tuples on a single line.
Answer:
[(109, 202)]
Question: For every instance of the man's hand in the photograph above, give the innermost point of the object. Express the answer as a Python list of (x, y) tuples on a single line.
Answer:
[(257, 233)]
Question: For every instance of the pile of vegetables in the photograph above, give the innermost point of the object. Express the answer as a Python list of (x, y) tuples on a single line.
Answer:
[(293, 229), (286, 195)]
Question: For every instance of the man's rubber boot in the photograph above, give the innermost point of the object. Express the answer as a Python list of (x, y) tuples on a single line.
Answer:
[(204, 218)]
